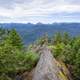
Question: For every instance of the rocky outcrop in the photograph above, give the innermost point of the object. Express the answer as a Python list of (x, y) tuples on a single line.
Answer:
[(28, 75), (48, 68)]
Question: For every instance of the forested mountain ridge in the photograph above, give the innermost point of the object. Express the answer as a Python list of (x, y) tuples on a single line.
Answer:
[(19, 62), (30, 32)]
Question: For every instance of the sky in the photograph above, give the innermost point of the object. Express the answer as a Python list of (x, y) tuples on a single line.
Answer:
[(44, 11)]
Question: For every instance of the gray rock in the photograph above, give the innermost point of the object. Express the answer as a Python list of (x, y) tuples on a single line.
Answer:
[(46, 68)]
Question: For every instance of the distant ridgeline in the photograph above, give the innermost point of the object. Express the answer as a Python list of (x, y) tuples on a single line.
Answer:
[(31, 32)]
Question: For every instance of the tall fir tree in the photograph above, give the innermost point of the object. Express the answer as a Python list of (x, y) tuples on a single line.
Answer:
[(14, 39)]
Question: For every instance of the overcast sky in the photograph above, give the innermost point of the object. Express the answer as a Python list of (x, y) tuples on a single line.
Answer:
[(45, 11)]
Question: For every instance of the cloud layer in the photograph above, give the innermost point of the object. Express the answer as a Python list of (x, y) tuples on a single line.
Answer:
[(45, 11)]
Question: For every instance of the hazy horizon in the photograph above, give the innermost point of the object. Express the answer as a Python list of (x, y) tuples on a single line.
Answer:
[(38, 23)]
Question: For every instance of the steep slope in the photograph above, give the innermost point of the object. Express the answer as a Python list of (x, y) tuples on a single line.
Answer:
[(48, 68)]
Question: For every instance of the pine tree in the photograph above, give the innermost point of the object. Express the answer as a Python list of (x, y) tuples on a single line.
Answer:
[(66, 38), (57, 38), (14, 39)]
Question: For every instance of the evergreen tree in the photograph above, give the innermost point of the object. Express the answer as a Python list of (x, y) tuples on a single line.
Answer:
[(14, 39), (43, 40), (57, 38), (66, 38), (3, 34)]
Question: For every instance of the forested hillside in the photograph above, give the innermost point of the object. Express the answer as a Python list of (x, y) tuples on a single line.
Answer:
[(30, 32), (18, 62)]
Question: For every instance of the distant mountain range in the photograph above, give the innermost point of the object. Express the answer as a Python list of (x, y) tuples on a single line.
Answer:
[(31, 32)]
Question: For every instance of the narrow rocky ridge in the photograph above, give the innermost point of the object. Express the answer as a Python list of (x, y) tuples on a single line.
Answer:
[(47, 68)]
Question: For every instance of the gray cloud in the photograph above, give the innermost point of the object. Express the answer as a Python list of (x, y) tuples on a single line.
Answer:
[(74, 2), (10, 4), (6, 3), (39, 10)]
